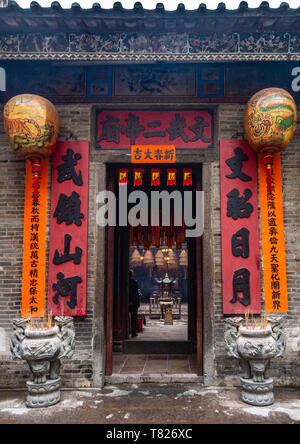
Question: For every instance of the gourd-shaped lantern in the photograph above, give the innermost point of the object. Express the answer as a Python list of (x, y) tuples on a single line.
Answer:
[(270, 122), (31, 125)]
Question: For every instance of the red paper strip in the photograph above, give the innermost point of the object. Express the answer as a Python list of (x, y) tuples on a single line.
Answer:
[(239, 228), (34, 245), (171, 177), (137, 177), (68, 230), (273, 244), (123, 176), (155, 177), (187, 177)]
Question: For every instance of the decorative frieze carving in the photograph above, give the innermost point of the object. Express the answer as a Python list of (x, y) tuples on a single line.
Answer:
[(151, 46)]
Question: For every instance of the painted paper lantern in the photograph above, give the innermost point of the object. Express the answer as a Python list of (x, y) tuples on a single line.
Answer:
[(270, 122), (31, 125)]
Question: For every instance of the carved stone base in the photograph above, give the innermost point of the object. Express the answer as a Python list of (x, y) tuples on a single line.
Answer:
[(43, 395), (257, 393)]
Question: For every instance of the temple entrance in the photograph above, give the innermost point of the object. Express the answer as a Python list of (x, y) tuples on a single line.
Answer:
[(165, 325)]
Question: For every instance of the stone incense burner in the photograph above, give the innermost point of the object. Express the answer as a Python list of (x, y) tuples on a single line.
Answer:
[(254, 348), (43, 349)]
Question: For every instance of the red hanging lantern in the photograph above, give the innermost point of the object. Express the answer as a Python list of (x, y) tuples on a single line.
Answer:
[(31, 125), (270, 122)]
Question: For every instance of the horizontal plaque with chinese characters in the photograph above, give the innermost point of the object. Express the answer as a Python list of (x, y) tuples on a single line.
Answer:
[(68, 230), (183, 129), (239, 228)]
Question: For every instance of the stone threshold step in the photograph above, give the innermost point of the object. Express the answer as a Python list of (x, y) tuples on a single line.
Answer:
[(162, 378), (159, 347)]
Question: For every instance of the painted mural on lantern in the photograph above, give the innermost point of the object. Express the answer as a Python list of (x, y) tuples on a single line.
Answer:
[(270, 119), (31, 124)]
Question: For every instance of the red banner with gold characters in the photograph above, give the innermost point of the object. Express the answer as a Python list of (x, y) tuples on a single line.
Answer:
[(138, 177), (239, 228), (273, 245), (67, 276), (155, 177), (34, 245), (123, 176), (187, 177), (171, 177)]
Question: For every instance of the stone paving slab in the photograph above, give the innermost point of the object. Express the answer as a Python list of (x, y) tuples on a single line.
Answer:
[(164, 404)]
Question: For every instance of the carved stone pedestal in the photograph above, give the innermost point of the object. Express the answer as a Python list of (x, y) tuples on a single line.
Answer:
[(44, 394), (257, 393)]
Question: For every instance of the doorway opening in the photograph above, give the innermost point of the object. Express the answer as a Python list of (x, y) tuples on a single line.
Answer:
[(164, 333)]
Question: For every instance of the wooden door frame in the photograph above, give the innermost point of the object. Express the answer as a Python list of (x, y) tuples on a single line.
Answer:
[(199, 296), (110, 252)]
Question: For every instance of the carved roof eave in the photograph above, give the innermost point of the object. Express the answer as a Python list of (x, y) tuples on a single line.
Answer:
[(118, 19)]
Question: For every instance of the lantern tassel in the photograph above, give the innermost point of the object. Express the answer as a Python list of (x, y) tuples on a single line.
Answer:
[(36, 170), (269, 162)]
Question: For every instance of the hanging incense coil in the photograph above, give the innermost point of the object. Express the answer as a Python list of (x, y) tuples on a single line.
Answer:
[(173, 257), (183, 258), (159, 257), (172, 260), (148, 259), (183, 261)]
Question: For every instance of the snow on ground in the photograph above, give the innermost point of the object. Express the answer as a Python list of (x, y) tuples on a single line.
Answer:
[(291, 409), (116, 393)]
